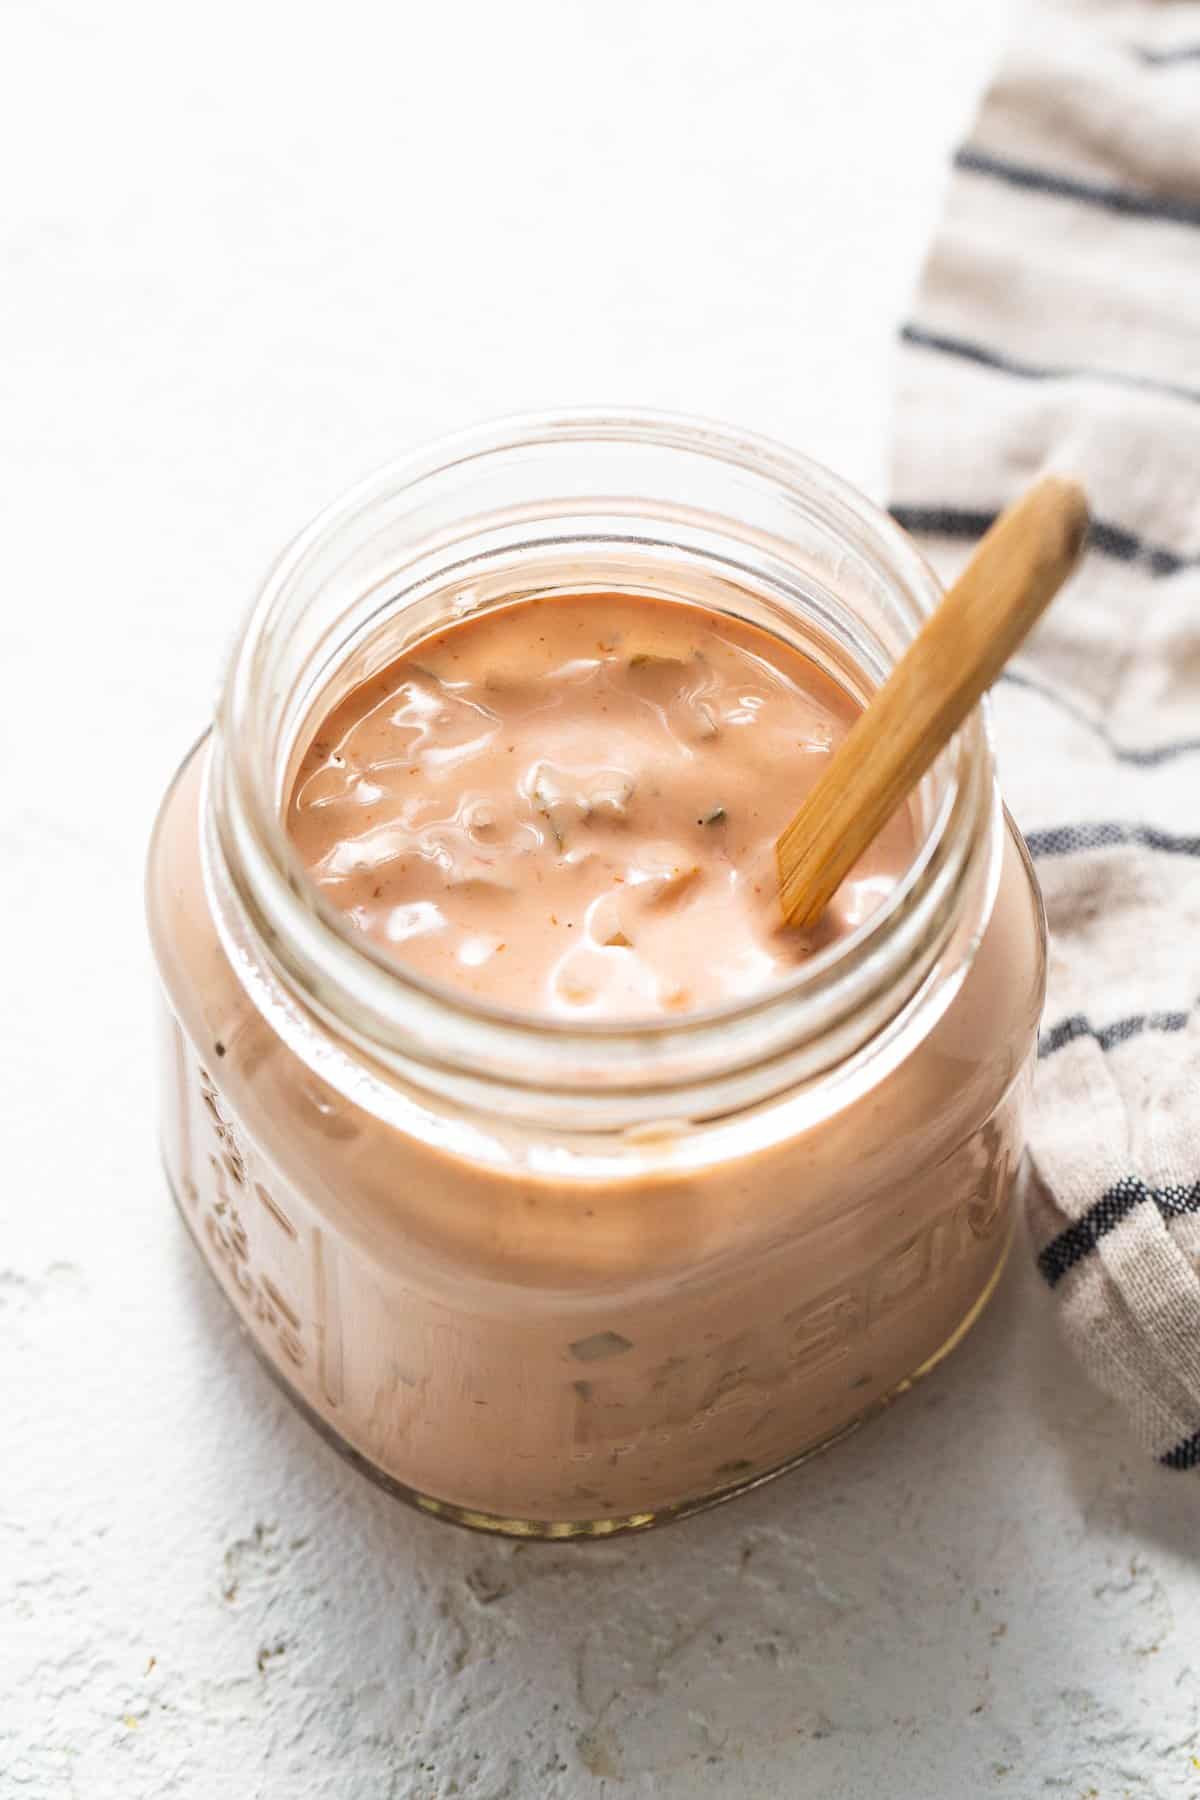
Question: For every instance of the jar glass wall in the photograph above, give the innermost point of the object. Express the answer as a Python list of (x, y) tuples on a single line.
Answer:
[(564, 1281)]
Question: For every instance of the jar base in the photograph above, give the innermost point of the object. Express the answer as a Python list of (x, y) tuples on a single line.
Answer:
[(556, 1530)]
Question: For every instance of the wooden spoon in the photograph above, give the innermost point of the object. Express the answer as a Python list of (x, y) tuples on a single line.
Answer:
[(1017, 569)]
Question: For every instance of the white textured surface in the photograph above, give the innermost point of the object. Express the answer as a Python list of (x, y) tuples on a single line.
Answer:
[(253, 249)]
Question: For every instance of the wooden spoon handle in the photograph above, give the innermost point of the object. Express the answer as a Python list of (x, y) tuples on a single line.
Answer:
[(1015, 572)]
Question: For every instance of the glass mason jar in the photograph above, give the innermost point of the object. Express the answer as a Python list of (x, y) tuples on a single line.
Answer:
[(558, 1279)]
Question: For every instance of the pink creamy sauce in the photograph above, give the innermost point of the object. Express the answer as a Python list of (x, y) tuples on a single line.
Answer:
[(569, 806)]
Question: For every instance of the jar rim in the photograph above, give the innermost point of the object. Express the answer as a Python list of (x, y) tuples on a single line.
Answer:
[(398, 1015)]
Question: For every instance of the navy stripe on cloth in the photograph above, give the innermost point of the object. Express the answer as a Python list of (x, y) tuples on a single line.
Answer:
[(1067, 840), (1081, 1237), (1161, 59), (970, 522), (1068, 1031), (944, 345), (945, 521), (1171, 209), (1148, 757), (1185, 1455)]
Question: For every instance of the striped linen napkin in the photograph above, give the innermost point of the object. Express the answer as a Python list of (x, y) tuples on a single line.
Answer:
[(1057, 327)]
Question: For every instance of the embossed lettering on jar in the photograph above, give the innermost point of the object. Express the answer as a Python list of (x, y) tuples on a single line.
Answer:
[(563, 1277)]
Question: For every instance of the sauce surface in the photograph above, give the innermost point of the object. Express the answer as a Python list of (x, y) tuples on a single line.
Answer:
[(569, 806)]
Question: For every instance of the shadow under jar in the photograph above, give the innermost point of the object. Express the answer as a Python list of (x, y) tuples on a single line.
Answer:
[(557, 1279)]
